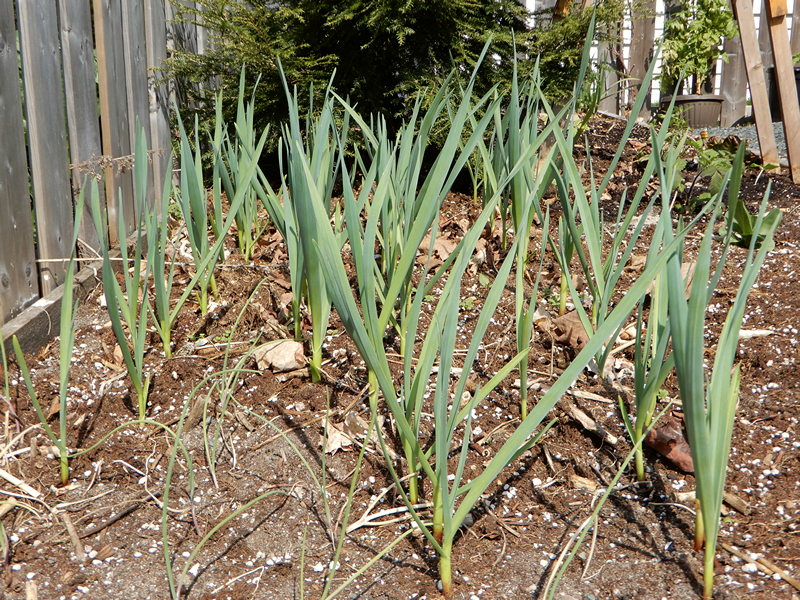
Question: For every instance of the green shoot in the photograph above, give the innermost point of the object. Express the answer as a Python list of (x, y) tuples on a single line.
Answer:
[(69, 308)]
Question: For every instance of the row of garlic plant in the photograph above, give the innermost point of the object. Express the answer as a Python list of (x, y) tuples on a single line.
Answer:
[(398, 212), (381, 296), (518, 147)]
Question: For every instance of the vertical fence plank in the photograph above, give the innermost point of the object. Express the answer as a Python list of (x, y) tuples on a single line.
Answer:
[(784, 74), (19, 285), (734, 84), (114, 110), (609, 56), (184, 36), (795, 32), (768, 63), (755, 77), (47, 135), (642, 38), (77, 45), (135, 52), (155, 25)]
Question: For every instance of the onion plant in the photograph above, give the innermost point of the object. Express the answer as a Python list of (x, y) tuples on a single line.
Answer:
[(653, 362), (165, 314), (287, 228), (396, 290), (69, 308), (407, 214), (709, 401), (158, 243), (131, 304), (453, 501)]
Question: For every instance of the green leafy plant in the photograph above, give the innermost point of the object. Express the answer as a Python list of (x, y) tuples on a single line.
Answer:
[(709, 401), (69, 308), (714, 160), (692, 42), (228, 152), (165, 317), (158, 245), (584, 231), (453, 496), (745, 228), (653, 362), (412, 203), (194, 207), (312, 168), (130, 305)]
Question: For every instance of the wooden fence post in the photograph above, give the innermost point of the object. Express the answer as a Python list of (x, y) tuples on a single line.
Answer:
[(734, 85), (135, 51), (77, 45), (19, 282), (609, 55), (795, 33), (787, 89), (114, 112), (641, 52), (160, 136), (47, 136), (743, 10)]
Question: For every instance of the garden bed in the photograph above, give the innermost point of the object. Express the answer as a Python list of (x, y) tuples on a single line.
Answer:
[(508, 549)]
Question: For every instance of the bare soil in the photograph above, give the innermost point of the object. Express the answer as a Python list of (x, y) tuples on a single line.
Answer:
[(643, 543)]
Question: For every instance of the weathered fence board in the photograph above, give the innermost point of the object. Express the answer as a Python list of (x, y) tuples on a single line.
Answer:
[(158, 95), (19, 279), (77, 45), (734, 85), (755, 78), (784, 75), (135, 53), (68, 137), (47, 135), (795, 32), (114, 111), (642, 38)]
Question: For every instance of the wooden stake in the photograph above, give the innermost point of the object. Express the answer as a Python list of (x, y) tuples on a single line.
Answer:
[(787, 89), (743, 10)]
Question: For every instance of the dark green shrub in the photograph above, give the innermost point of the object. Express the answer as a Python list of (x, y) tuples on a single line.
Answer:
[(382, 51)]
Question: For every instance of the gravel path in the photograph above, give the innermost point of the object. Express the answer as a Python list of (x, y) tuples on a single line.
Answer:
[(749, 133)]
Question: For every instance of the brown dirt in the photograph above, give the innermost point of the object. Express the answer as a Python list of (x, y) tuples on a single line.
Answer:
[(643, 546)]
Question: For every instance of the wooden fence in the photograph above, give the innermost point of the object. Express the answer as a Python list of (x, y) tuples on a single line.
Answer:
[(76, 76), (634, 54)]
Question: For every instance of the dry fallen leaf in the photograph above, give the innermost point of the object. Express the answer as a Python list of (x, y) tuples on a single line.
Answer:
[(637, 145), (280, 355), (636, 262), (669, 441), (442, 246), (337, 439), (118, 358), (569, 330)]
